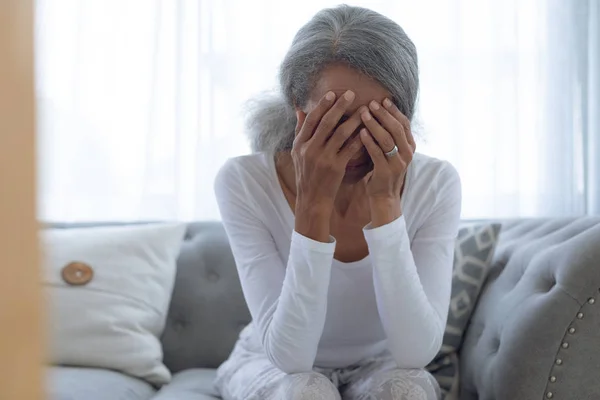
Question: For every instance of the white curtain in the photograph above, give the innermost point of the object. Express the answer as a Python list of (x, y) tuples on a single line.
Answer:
[(140, 101)]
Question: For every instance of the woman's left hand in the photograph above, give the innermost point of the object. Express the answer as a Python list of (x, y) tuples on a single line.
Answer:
[(388, 130)]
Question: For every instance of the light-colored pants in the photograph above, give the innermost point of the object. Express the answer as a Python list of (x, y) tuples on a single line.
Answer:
[(249, 375)]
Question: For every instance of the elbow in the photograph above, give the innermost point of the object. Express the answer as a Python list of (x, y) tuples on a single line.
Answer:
[(416, 361), (419, 353), (419, 360), (288, 365), (292, 368), (286, 359)]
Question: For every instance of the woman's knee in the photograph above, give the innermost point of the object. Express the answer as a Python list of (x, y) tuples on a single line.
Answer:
[(407, 384), (307, 386)]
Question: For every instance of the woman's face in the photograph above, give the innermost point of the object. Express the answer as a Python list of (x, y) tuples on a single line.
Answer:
[(339, 79)]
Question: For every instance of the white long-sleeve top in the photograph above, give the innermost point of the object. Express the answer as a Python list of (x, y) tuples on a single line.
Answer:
[(309, 309)]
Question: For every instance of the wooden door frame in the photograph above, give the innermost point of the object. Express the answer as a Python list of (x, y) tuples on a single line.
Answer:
[(21, 336)]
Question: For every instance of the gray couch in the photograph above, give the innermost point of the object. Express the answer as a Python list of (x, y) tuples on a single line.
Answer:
[(535, 333)]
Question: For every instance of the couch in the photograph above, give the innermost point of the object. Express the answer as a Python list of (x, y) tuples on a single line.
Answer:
[(534, 334)]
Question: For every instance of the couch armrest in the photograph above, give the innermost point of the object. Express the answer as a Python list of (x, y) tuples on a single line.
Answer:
[(535, 333), (191, 384)]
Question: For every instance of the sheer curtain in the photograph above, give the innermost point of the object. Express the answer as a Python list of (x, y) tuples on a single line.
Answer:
[(140, 101)]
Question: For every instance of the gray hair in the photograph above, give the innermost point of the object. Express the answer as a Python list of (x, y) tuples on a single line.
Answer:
[(357, 37)]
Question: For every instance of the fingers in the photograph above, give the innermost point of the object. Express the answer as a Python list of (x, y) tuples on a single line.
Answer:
[(300, 117), (394, 127), (382, 136), (306, 125), (345, 130), (351, 147), (372, 147), (332, 117), (397, 114)]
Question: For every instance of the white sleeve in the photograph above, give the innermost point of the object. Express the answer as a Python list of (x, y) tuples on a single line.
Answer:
[(288, 305), (413, 280)]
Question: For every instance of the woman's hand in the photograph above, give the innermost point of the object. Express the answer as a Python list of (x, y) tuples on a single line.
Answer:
[(388, 130), (320, 153)]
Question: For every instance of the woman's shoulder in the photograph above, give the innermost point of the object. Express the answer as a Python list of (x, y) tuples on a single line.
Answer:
[(431, 169), (249, 178), (429, 176), (248, 184), (252, 168), (430, 183)]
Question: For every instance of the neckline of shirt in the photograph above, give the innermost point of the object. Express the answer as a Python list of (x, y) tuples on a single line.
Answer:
[(281, 201)]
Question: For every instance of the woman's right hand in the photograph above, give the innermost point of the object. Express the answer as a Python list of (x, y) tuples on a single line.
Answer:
[(320, 153)]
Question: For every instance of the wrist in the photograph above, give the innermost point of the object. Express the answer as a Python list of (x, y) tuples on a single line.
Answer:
[(313, 221), (313, 207), (384, 210)]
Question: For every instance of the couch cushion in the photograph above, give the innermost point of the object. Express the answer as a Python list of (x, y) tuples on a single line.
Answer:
[(208, 309), (193, 384), (535, 330), (66, 383)]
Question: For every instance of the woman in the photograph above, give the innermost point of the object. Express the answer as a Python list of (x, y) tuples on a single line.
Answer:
[(342, 235)]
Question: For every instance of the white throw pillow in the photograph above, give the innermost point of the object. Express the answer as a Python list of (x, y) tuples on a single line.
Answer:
[(109, 290)]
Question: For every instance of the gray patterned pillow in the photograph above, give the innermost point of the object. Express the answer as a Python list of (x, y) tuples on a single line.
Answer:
[(473, 255)]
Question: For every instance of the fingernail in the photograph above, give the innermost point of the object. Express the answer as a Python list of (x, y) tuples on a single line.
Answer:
[(366, 116), (363, 132), (349, 95), (374, 106), (387, 103), (330, 96)]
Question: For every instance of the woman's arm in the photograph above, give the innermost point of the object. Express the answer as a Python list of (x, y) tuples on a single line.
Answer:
[(287, 305), (413, 280)]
